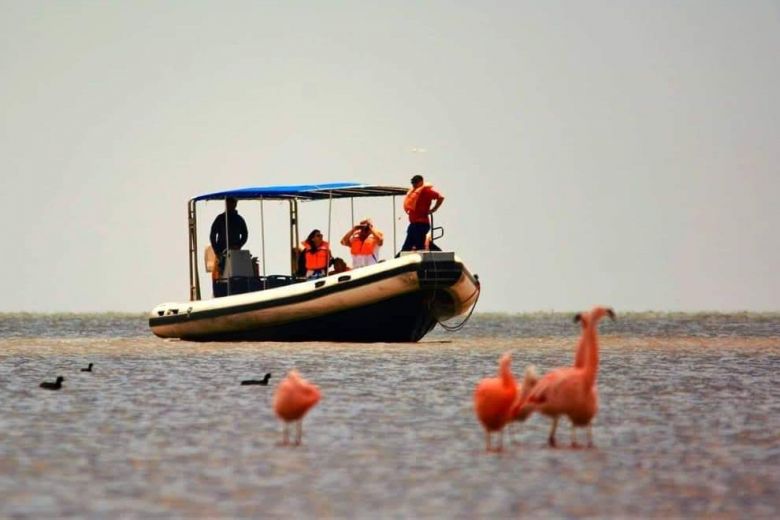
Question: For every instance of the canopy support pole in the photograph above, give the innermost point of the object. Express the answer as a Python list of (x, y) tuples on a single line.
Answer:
[(262, 233), (330, 212), (193, 228), (293, 236), (227, 242), (395, 247)]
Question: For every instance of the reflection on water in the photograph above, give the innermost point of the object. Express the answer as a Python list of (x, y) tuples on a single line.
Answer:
[(689, 422)]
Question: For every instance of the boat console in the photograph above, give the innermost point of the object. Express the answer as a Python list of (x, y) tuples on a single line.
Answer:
[(238, 262)]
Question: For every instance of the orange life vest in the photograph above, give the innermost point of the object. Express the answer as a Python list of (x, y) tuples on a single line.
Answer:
[(413, 195), (212, 262), (362, 247), (316, 260)]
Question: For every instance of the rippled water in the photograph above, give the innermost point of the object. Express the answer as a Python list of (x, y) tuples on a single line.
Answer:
[(689, 423)]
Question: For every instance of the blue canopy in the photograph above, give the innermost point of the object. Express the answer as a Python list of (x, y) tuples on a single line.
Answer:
[(336, 190)]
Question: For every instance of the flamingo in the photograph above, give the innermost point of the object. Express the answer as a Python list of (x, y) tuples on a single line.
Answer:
[(293, 398), (519, 411), (571, 391), (493, 399)]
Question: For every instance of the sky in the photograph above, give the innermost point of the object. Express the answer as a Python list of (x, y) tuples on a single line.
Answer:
[(622, 153)]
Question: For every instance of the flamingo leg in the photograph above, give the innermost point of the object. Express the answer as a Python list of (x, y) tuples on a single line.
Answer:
[(487, 440), (285, 434), (574, 437), (590, 436), (515, 429), (500, 440), (298, 432), (551, 439)]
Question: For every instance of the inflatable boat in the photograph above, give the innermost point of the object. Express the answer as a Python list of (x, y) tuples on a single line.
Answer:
[(396, 300)]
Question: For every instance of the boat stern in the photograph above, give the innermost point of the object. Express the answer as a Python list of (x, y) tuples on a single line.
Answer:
[(452, 287)]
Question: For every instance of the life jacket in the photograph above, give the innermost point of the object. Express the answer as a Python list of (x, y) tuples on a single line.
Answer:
[(362, 247), (413, 195), (212, 263), (316, 260)]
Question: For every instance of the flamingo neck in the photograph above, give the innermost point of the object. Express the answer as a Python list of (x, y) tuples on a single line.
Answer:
[(505, 373), (582, 344), (591, 362)]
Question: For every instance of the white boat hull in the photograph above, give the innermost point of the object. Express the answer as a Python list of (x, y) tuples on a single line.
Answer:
[(397, 300)]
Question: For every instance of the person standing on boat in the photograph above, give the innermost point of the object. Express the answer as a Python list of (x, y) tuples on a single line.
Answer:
[(236, 232), (314, 259), (235, 229), (417, 205), (364, 241)]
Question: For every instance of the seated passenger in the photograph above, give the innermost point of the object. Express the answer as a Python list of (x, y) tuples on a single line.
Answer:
[(339, 266), (314, 258), (363, 241)]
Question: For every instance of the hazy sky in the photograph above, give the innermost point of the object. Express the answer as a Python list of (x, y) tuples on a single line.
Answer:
[(611, 152)]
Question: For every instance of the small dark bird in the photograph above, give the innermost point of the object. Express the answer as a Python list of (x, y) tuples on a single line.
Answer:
[(263, 381), (53, 386), (88, 369)]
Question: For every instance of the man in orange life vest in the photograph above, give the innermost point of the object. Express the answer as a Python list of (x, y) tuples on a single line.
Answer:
[(418, 205), (363, 241)]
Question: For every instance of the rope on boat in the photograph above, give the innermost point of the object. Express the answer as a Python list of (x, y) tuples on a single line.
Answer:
[(455, 328)]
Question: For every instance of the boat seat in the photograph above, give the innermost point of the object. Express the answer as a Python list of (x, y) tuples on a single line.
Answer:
[(245, 284), (278, 280)]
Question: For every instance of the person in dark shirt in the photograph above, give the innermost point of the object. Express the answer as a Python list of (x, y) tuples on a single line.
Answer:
[(236, 229)]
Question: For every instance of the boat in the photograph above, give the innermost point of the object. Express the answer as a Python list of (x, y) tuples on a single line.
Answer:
[(399, 299)]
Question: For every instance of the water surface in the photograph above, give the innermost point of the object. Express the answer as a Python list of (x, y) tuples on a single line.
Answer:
[(688, 426)]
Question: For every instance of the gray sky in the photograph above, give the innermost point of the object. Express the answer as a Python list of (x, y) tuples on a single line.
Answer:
[(590, 152)]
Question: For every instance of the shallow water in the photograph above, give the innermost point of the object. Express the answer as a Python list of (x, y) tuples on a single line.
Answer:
[(689, 423)]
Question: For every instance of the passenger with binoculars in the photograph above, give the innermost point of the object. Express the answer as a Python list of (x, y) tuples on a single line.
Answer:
[(363, 241)]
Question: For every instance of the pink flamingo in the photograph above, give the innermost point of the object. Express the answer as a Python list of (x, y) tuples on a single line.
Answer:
[(571, 391), (293, 398), (520, 412), (493, 399)]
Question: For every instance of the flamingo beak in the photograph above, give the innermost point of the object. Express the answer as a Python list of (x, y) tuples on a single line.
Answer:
[(611, 314), (577, 317)]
